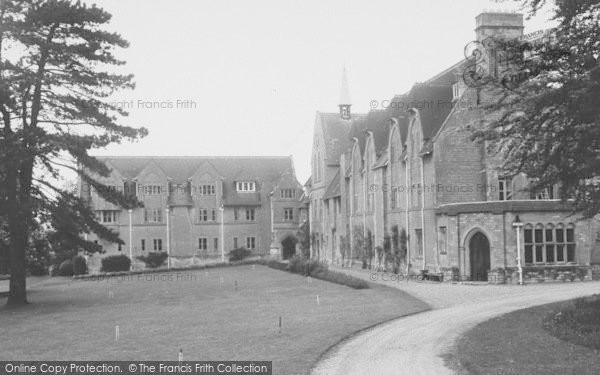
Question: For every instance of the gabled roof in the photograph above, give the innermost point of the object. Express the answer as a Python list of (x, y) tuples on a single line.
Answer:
[(378, 123), (333, 190), (397, 110), (231, 168), (335, 135), (434, 103)]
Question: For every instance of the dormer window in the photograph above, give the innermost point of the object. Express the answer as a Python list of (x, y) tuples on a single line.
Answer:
[(246, 186)]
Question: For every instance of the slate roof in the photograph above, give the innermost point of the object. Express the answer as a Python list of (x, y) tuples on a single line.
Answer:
[(264, 170), (333, 190), (434, 103), (335, 134), (377, 122)]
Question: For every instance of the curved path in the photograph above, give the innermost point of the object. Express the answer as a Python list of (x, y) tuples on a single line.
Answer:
[(413, 345)]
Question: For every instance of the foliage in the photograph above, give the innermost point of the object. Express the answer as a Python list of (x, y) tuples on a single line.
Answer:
[(579, 323), (239, 254), (66, 268), (358, 242), (379, 252), (318, 270), (116, 263), (55, 88), (37, 255), (154, 259), (344, 248), (304, 239), (542, 114), (79, 265)]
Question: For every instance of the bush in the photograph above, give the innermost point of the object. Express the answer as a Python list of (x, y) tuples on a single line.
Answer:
[(65, 268), (296, 264), (116, 263), (239, 254), (79, 265), (154, 259), (309, 267), (579, 323)]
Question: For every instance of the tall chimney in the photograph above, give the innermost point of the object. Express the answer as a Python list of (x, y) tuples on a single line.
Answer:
[(498, 24)]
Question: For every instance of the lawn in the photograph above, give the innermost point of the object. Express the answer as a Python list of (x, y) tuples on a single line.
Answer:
[(200, 312), (517, 343)]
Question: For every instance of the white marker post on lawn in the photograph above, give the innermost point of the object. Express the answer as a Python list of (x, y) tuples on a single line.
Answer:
[(116, 333)]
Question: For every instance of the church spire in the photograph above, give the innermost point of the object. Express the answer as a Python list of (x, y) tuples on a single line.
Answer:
[(345, 102)]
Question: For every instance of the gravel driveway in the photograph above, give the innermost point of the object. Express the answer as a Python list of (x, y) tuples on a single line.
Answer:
[(413, 345)]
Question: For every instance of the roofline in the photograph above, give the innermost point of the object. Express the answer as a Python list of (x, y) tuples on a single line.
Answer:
[(456, 65), (188, 157)]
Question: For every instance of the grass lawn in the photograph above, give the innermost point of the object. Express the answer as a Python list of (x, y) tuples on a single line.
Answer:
[(201, 313), (517, 343)]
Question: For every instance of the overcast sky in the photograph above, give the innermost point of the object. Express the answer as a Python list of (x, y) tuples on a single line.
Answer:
[(253, 73)]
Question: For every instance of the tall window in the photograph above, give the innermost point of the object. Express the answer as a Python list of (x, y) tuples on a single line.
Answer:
[(246, 186), (202, 215), (214, 215), (505, 188), (202, 243), (153, 215), (288, 214), (393, 197), (236, 214), (419, 235), (549, 244), (216, 243), (143, 244), (157, 242), (442, 240), (250, 214), (250, 243)]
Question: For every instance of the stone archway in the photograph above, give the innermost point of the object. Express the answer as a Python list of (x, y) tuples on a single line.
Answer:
[(479, 255), (288, 246)]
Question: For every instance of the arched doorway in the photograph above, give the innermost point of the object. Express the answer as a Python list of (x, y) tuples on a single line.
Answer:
[(288, 246), (479, 252)]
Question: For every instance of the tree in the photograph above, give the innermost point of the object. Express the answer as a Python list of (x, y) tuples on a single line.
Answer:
[(545, 110), (303, 236), (358, 241), (54, 90)]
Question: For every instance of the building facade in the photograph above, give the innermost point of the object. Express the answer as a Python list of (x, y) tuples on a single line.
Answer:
[(410, 173), (201, 207)]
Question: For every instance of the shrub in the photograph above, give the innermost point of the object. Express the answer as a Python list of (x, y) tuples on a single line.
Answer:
[(154, 259), (116, 263), (578, 323), (318, 270), (239, 254), (65, 268), (296, 264), (79, 265)]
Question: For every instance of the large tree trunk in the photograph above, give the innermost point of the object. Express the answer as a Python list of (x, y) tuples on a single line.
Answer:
[(17, 294)]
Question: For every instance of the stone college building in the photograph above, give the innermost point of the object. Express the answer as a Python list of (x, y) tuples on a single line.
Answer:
[(410, 171), (201, 207)]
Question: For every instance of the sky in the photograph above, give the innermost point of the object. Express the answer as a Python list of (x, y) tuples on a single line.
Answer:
[(225, 77)]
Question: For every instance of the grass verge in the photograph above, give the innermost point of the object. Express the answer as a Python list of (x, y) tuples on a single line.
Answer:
[(518, 343)]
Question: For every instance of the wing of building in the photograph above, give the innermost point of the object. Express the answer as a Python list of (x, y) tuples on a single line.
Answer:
[(408, 177), (201, 207)]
